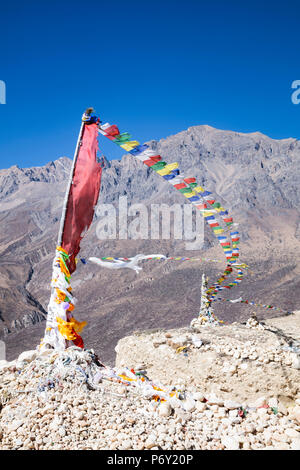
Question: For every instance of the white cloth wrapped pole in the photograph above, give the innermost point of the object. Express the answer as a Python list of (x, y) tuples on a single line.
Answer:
[(52, 336)]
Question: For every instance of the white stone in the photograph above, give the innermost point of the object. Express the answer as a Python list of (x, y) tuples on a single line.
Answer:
[(281, 446), (208, 413), (246, 446), (295, 444), (189, 405), (261, 401), (244, 366), (180, 341), (62, 431), (231, 369), (4, 365), (18, 442), (290, 432), (196, 342), (15, 424), (214, 400), (127, 444), (27, 356), (296, 361), (230, 443), (45, 352), (150, 442), (295, 413), (164, 409), (201, 406), (198, 396), (232, 405), (262, 411), (273, 403)]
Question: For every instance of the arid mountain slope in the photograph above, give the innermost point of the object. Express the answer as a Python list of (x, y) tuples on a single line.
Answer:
[(256, 177)]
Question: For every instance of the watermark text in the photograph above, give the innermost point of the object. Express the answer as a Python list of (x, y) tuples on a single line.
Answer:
[(2, 351), (2, 92), (155, 222), (296, 94)]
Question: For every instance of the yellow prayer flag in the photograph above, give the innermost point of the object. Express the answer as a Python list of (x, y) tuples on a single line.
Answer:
[(192, 193), (199, 189), (207, 213), (130, 145), (167, 169)]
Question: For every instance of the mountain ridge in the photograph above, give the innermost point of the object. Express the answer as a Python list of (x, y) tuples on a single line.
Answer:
[(252, 176)]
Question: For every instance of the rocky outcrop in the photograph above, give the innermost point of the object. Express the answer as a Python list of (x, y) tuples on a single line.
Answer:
[(27, 321), (235, 362)]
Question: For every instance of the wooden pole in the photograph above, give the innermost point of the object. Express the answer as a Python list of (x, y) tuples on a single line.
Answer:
[(49, 325)]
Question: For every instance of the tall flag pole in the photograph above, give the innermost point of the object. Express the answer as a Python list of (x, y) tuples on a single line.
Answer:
[(64, 210), (78, 211)]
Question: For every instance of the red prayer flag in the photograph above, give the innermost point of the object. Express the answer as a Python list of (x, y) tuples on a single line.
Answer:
[(83, 195), (190, 180), (180, 186), (112, 131), (152, 160)]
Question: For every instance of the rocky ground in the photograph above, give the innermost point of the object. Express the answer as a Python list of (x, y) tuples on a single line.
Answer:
[(228, 387), (234, 361)]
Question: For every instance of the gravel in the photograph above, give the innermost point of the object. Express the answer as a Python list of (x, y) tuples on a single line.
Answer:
[(52, 401)]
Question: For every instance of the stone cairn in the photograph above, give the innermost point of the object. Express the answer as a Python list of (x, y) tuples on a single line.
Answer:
[(206, 316)]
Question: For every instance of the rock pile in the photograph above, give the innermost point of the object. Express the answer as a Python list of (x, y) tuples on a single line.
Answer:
[(69, 400), (203, 320), (252, 322)]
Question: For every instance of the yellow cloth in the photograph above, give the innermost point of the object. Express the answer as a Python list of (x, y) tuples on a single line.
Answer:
[(190, 194), (60, 296), (207, 213), (59, 248), (64, 269), (67, 328), (124, 377), (77, 325), (130, 145), (199, 189), (167, 169)]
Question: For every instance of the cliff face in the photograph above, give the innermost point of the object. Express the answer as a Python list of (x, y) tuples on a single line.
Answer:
[(253, 176)]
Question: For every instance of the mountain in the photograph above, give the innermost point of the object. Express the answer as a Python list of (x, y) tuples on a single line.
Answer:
[(254, 176)]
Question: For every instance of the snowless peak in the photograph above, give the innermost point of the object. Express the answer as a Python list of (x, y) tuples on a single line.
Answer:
[(205, 127), (14, 167)]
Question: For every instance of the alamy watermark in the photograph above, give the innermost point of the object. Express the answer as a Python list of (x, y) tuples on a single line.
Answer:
[(296, 94), (2, 92), (154, 222), (2, 351)]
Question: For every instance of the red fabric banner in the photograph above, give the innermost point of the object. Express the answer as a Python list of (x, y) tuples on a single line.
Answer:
[(83, 194)]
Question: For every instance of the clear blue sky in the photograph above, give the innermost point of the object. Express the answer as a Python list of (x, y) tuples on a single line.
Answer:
[(153, 67)]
